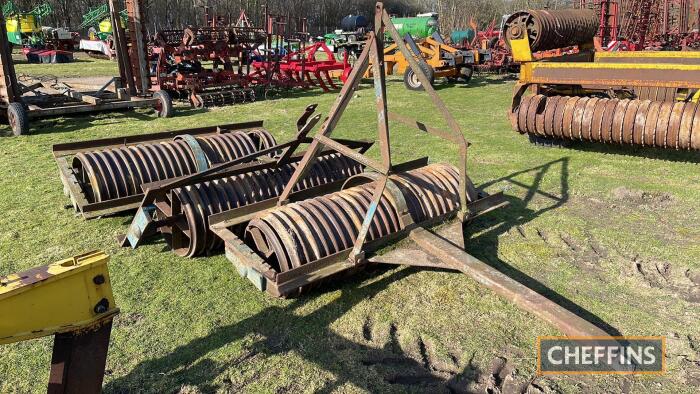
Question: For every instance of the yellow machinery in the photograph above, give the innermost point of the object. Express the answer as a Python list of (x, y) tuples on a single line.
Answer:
[(437, 59), (72, 300), (634, 98)]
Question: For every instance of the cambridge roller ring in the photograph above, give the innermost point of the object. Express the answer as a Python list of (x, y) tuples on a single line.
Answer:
[(670, 125), (552, 29)]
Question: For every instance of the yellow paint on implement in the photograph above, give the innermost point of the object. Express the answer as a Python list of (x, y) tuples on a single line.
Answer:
[(521, 50), (616, 66), (70, 295), (649, 55)]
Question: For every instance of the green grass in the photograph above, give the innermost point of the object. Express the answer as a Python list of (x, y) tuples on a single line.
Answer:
[(83, 66), (196, 326)]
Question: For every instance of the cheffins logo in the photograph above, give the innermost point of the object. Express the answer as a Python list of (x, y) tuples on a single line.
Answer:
[(601, 355)]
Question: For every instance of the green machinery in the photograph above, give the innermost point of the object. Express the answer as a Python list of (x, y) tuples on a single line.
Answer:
[(24, 28), (98, 22), (418, 27)]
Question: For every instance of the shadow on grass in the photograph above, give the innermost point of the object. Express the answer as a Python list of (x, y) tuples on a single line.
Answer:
[(636, 151), (281, 330), (485, 246)]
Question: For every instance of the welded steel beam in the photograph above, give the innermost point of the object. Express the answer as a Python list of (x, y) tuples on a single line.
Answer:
[(605, 74)]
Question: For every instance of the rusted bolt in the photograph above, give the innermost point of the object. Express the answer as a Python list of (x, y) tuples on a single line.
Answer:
[(98, 280)]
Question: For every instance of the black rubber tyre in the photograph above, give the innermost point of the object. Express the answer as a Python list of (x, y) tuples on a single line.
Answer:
[(18, 119), (465, 74), (410, 79), (164, 108)]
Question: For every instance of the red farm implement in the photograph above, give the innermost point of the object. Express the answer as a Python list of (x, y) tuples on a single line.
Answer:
[(310, 66), (178, 57)]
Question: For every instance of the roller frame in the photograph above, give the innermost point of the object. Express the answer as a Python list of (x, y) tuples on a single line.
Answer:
[(64, 152), (154, 201)]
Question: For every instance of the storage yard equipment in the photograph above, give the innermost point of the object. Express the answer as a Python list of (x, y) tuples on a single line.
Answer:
[(248, 62), (313, 65), (177, 64), (436, 58), (286, 230), (637, 25), (107, 176), (417, 27), (40, 99), (100, 40), (645, 99), (71, 300)]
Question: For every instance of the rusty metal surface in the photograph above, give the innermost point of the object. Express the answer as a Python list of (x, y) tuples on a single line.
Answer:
[(612, 75), (301, 233), (191, 206), (119, 172), (78, 361), (669, 124), (552, 29), (445, 249)]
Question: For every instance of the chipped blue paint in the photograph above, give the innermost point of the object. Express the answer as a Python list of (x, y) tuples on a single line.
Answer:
[(199, 156)]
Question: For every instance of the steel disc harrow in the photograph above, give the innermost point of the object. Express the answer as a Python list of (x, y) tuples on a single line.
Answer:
[(119, 172), (672, 125), (552, 29), (191, 237), (300, 233), (220, 98)]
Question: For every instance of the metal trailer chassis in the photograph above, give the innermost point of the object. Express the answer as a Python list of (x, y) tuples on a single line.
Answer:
[(130, 91)]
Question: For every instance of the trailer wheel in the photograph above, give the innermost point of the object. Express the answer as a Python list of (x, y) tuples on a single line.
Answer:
[(410, 79), (465, 74), (18, 119), (164, 107)]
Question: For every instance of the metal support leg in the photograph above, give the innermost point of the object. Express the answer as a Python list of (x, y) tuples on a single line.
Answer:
[(78, 361)]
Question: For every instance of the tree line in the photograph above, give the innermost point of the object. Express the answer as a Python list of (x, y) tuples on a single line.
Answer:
[(322, 15)]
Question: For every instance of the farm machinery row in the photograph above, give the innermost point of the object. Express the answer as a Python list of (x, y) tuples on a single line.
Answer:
[(637, 25), (247, 62), (23, 98), (287, 218), (644, 99)]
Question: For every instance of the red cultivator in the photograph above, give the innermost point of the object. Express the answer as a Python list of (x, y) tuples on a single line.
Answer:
[(310, 66), (176, 63)]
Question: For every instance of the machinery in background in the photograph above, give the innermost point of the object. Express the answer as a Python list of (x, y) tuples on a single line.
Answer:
[(72, 301), (436, 58), (634, 98), (419, 27), (350, 38), (24, 98), (490, 44), (635, 25), (247, 62), (100, 33), (40, 44)]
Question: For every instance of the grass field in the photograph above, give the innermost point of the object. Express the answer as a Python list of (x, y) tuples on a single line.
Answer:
[(609, 232)]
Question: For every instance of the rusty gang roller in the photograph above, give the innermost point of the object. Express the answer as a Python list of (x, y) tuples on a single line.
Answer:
[(552, 29), (299, 233), (191, 237), (673, 125), (116, 173)]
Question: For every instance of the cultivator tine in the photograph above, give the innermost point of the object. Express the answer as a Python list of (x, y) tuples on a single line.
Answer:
[(304, 118)]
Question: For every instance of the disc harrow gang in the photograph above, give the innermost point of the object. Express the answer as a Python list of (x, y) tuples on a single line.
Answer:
[(117, 173), (552, 29), (300, 233), (196, 203), (220, 98), (672, 125)]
